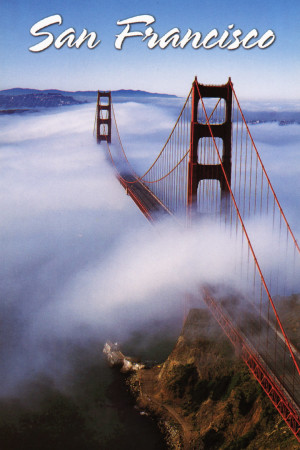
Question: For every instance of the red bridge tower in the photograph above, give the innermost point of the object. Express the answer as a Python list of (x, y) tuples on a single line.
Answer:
[(104, 116), (199, 171)]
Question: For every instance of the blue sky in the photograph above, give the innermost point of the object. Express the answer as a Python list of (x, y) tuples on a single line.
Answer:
[(272, 73)]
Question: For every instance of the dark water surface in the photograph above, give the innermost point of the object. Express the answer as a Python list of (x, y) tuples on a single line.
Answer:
[(94, 410)]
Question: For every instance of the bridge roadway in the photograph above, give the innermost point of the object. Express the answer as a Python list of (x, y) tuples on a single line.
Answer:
[(146, 201), (268, 342), (273, 350)]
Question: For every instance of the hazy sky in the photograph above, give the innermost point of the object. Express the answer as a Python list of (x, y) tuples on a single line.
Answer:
[(271, 73)]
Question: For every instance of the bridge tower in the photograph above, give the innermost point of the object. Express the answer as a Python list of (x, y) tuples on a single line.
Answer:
[(199, 171), (104, 116)]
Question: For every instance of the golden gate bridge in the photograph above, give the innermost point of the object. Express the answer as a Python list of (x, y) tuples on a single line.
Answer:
[(210, 169)]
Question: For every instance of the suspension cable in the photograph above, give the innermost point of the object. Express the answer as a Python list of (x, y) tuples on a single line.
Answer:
[(96, 112), (140, 178), (247, 236), (264, 171)]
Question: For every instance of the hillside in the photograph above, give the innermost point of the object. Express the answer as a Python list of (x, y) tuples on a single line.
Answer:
[(17, 99), (34, 100), (85, 94), (206, 398)]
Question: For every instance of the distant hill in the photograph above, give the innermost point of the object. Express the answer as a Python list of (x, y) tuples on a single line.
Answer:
[(118, 93), (14, 100), (33, 100), (129, 92), (18, 98)]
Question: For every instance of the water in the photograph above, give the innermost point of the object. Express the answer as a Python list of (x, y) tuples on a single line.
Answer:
[(94, 409)]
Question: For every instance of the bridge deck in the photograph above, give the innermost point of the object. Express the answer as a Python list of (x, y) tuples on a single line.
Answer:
[(273, 350), (268, 363), (146, 201), (266, 341)]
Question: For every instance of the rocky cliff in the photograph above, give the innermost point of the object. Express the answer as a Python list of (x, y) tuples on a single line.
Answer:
[(205, 397)]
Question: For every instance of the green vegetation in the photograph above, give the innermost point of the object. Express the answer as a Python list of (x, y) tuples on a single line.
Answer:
[(243, 441), (184, 382)]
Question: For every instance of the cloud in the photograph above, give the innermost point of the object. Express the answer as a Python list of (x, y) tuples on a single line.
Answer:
[(81, 262)]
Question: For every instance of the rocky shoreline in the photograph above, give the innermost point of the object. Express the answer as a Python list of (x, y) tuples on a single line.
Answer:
[(168, 425), (203, 396)]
